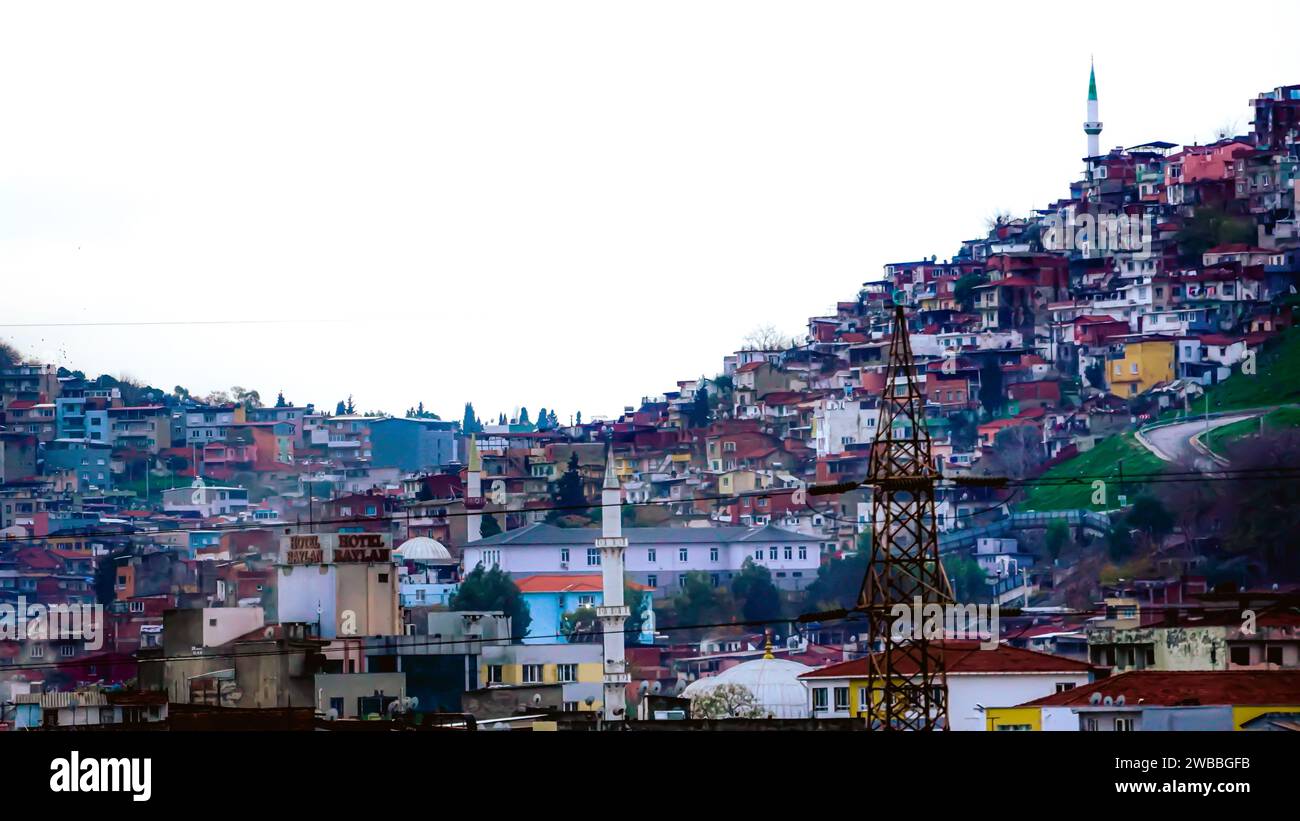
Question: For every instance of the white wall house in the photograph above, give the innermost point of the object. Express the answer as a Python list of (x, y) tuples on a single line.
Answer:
[(977, 679), (658, 557)]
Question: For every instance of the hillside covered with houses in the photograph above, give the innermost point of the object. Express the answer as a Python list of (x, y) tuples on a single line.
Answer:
[(1082, 352)]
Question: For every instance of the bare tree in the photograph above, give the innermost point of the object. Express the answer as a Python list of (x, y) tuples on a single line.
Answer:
[(1017, 452), (997, 219), (768, 338)]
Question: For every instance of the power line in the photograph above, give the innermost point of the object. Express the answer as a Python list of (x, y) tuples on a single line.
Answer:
[(506, 641)]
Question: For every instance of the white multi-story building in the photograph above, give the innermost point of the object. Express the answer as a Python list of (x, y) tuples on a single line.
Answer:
[(839, 423), (658, 557)]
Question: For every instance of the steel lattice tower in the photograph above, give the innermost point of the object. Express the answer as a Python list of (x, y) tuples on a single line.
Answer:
[(905, 673)]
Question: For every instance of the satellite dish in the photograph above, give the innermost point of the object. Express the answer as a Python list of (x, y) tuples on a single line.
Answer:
[(1119, 700), (1095, 698), (1108, 700), (590, 700), (537, 698), (656, 687)]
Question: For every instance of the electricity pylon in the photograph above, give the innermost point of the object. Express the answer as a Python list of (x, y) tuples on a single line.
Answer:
[(907, 687)]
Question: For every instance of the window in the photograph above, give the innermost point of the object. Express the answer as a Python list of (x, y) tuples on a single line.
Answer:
[(37, 651), (650, 555), (67, 650), (135, 607), (382, 578), (714, 580), (1273, 655), (713, 554), (570, 707), (1239, 656), (494, 674), (789, 553), (841, 698), (566, 673), (771, 553), (652, 580), (683, 554), (1014, 727), (819, 699), (758, 554), (564, 555), (1123, 725), (862, 699), (1062, 686), (532, 674), (593, 557), (803, 552)]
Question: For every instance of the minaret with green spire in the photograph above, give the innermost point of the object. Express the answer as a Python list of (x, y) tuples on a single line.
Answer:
[(1093, 126)]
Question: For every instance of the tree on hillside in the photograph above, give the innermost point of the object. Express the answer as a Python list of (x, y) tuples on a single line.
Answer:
[(280, 401), (341, 409), (753, 588), (568, 497), (1095, 374), (580, 626), (963, 291), (1151, 518), (543, 421), (349, 407), (470, 423), (523, 416), (969, 581), (1017, 452), (493, 590), (700, 414), (106, 575), (247, 398), (489, 526), (767, 338), (698, 602), (578, 418), (992, 395), (1208, 227), (553, 422), (1263, 513), (1056, 538), (838, 582), (9, 355)]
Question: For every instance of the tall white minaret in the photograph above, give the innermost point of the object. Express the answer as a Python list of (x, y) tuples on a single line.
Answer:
[(474, 493), (1093, 127), (612, 612)]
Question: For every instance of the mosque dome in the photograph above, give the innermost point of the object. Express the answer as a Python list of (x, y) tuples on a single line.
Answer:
[(774, 683), (423, 549)]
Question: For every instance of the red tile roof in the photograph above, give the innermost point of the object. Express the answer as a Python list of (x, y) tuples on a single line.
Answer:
[(1162, 688), (965, 657), (565, 583)]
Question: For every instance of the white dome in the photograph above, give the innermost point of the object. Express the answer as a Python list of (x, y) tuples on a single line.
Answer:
[(423, 549), (774, 683)]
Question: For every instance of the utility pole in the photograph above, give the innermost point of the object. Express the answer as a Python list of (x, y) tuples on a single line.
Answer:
[(905, 674)]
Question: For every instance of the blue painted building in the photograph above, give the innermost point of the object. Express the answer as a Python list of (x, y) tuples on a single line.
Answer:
[(412, 444)]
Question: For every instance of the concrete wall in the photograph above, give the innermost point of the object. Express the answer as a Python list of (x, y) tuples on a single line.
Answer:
[(350, 687)]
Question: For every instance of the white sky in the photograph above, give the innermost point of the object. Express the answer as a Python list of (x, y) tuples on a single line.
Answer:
[(559, 204)]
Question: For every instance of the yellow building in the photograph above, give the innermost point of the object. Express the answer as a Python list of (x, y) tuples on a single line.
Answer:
[(578, 668), (1144, 363)]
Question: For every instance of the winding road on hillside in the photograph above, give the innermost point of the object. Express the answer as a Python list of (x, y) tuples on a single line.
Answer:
[(1176, 443)]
